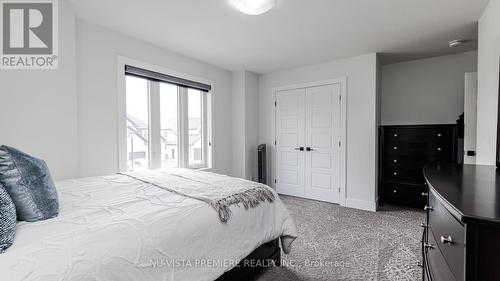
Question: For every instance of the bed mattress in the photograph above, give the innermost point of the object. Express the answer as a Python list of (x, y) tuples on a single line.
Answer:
[(118, 228)]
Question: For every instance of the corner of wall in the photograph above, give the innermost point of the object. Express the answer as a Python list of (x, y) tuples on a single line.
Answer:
[(361, 204), (488, 83), (245, 123)]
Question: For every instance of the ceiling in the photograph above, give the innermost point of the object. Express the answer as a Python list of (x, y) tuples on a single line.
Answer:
[(295, 32)]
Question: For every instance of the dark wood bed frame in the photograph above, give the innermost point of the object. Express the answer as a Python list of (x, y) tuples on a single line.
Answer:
[(260, 259)]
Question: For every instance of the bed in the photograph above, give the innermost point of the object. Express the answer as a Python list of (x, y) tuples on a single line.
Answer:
[(119, 227)]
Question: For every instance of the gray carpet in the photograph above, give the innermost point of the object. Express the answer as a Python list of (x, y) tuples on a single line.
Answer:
[(337, 243)]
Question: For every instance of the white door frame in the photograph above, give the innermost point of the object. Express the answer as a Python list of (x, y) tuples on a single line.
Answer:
[(343, 127)]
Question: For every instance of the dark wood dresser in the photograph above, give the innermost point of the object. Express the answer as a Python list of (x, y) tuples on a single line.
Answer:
[(461, 239), (403, 152)]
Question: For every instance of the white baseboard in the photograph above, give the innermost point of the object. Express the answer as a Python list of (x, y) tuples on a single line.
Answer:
[(361, 204)]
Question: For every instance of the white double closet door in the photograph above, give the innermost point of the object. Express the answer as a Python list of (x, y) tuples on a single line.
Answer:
[(308, 142)]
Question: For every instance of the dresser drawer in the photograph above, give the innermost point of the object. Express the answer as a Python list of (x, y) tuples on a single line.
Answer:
[(398, 174), (407, 161), (440, 151), (444, 228), (422, 134), (411, 134), (406, 148), (403, 194), (419, 150), (435, 266)]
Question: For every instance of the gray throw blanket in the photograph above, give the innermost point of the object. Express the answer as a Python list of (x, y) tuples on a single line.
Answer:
[(219, 191)]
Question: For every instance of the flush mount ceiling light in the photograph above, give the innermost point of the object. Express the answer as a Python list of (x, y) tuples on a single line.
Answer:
[(253, 7)]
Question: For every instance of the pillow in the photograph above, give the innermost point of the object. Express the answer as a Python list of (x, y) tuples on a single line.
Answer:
[(29, 184), (7, 220)]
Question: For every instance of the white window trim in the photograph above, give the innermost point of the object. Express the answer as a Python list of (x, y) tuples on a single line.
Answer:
[(155, 148)]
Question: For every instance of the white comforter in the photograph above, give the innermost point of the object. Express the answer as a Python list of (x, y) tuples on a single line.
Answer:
[(118, 228)]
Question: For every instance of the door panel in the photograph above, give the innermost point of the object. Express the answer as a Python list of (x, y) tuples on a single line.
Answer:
[(322, 134), (321, 160), (321, 140), (290, 135)]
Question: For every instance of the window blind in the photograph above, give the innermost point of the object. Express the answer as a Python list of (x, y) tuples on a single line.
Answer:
[(155, 76)]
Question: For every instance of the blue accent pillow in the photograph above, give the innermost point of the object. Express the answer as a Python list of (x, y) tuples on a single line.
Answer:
[(7, 220), (29, 184)]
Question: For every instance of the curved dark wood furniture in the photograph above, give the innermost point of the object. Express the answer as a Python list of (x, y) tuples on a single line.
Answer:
[(461, 240)]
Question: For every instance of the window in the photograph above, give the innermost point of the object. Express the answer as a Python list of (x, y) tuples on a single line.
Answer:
[(169, 125), (168, 121), (196, 139), (137, 123)]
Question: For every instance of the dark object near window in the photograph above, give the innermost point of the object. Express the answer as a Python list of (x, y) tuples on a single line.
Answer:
[(460, 126), (262, 167), (155, 76)]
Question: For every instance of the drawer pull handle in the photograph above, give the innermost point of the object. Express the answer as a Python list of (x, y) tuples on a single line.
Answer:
[(439, 135), (439, 149), (428, 208), (395, 191), (395, 148), (428, 246), (395, 135), (395, 161), (395, 173), (425, 194), (446, 240)]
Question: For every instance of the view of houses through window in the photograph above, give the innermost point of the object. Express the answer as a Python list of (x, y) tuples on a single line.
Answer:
[(195, 101), (137, 123), (167, 125), (169, 128)]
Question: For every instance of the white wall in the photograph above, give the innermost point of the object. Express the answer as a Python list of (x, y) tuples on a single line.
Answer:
[(251, 123), (378, 123), (426, 91), (245, 124), (361, 119), (97, 52), (487, 97), (39, 107), (470, 118), (238, 107)]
